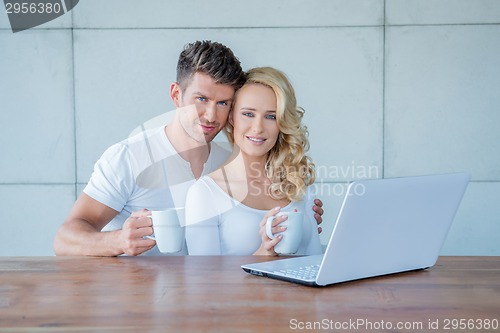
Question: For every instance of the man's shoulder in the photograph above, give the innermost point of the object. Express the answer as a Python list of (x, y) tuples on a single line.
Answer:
[(136, 146), (144, 136)]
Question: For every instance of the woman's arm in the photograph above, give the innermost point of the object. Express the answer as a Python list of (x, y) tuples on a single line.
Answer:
[(202, 221)]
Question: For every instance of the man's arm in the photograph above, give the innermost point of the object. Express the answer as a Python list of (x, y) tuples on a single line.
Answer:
[(81, 233)]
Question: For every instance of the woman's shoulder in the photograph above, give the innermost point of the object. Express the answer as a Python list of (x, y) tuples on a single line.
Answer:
[(214, 175), (207, 184), (201, 192), (220, 180), (203, 183)]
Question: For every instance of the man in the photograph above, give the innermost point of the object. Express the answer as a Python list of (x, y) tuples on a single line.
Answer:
[(155, 168)]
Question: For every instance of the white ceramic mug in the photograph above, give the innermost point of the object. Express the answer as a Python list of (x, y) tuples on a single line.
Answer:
[(292, 236), (168, 228)]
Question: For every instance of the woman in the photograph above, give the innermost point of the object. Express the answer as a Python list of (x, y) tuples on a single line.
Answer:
[(267, 171)]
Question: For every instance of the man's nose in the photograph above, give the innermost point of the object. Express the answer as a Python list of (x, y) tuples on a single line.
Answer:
[(210, 112)]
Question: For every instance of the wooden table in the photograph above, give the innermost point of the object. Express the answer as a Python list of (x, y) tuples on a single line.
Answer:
[(213, 294)]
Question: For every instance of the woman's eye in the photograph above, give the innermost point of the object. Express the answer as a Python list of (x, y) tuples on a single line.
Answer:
[(271, 116), (248, 114)]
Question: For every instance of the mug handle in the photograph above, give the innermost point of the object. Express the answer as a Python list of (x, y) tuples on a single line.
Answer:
[(269, 224), (150, 237)]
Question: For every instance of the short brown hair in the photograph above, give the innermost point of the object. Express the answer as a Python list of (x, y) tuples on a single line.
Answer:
[(213, 59)]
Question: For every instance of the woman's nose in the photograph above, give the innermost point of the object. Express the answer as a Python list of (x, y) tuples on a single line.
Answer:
[(257, 125)]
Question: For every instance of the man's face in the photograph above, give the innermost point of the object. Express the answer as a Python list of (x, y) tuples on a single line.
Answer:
[(211, 101)]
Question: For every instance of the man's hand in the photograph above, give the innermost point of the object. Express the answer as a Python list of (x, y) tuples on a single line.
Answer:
[(318, 213), (81, 233), (134, 229)]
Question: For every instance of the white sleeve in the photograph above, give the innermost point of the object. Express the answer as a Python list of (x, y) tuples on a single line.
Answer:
[(202, 221), (112, 180), (314, 244)]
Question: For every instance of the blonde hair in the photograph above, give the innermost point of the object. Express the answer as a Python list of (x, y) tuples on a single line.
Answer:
[(287, 165)]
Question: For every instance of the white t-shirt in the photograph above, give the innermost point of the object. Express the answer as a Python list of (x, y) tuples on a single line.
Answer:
[(217, 224), (145, 171)]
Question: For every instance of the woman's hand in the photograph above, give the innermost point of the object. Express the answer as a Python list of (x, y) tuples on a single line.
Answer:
[(267, 246)]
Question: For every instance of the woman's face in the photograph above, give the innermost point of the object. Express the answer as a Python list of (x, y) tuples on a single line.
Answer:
[(254, 119)]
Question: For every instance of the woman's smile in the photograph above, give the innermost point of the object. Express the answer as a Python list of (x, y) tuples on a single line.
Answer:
[(256, 140)]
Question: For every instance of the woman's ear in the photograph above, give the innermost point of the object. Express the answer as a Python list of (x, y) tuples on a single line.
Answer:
[(176, 94)]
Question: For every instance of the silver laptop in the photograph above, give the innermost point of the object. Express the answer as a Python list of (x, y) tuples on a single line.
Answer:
[(384, 226)]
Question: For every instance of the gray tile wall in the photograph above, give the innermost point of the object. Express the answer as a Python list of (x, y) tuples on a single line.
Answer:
[(391, 88)]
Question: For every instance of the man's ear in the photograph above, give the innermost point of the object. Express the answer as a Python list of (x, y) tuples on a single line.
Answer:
[(176, 94)]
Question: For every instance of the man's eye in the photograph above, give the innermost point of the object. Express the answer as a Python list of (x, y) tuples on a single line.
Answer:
[(201, 99), (223, 103)]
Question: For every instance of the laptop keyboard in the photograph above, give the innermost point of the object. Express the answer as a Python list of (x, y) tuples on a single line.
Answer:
[(307, 273)]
